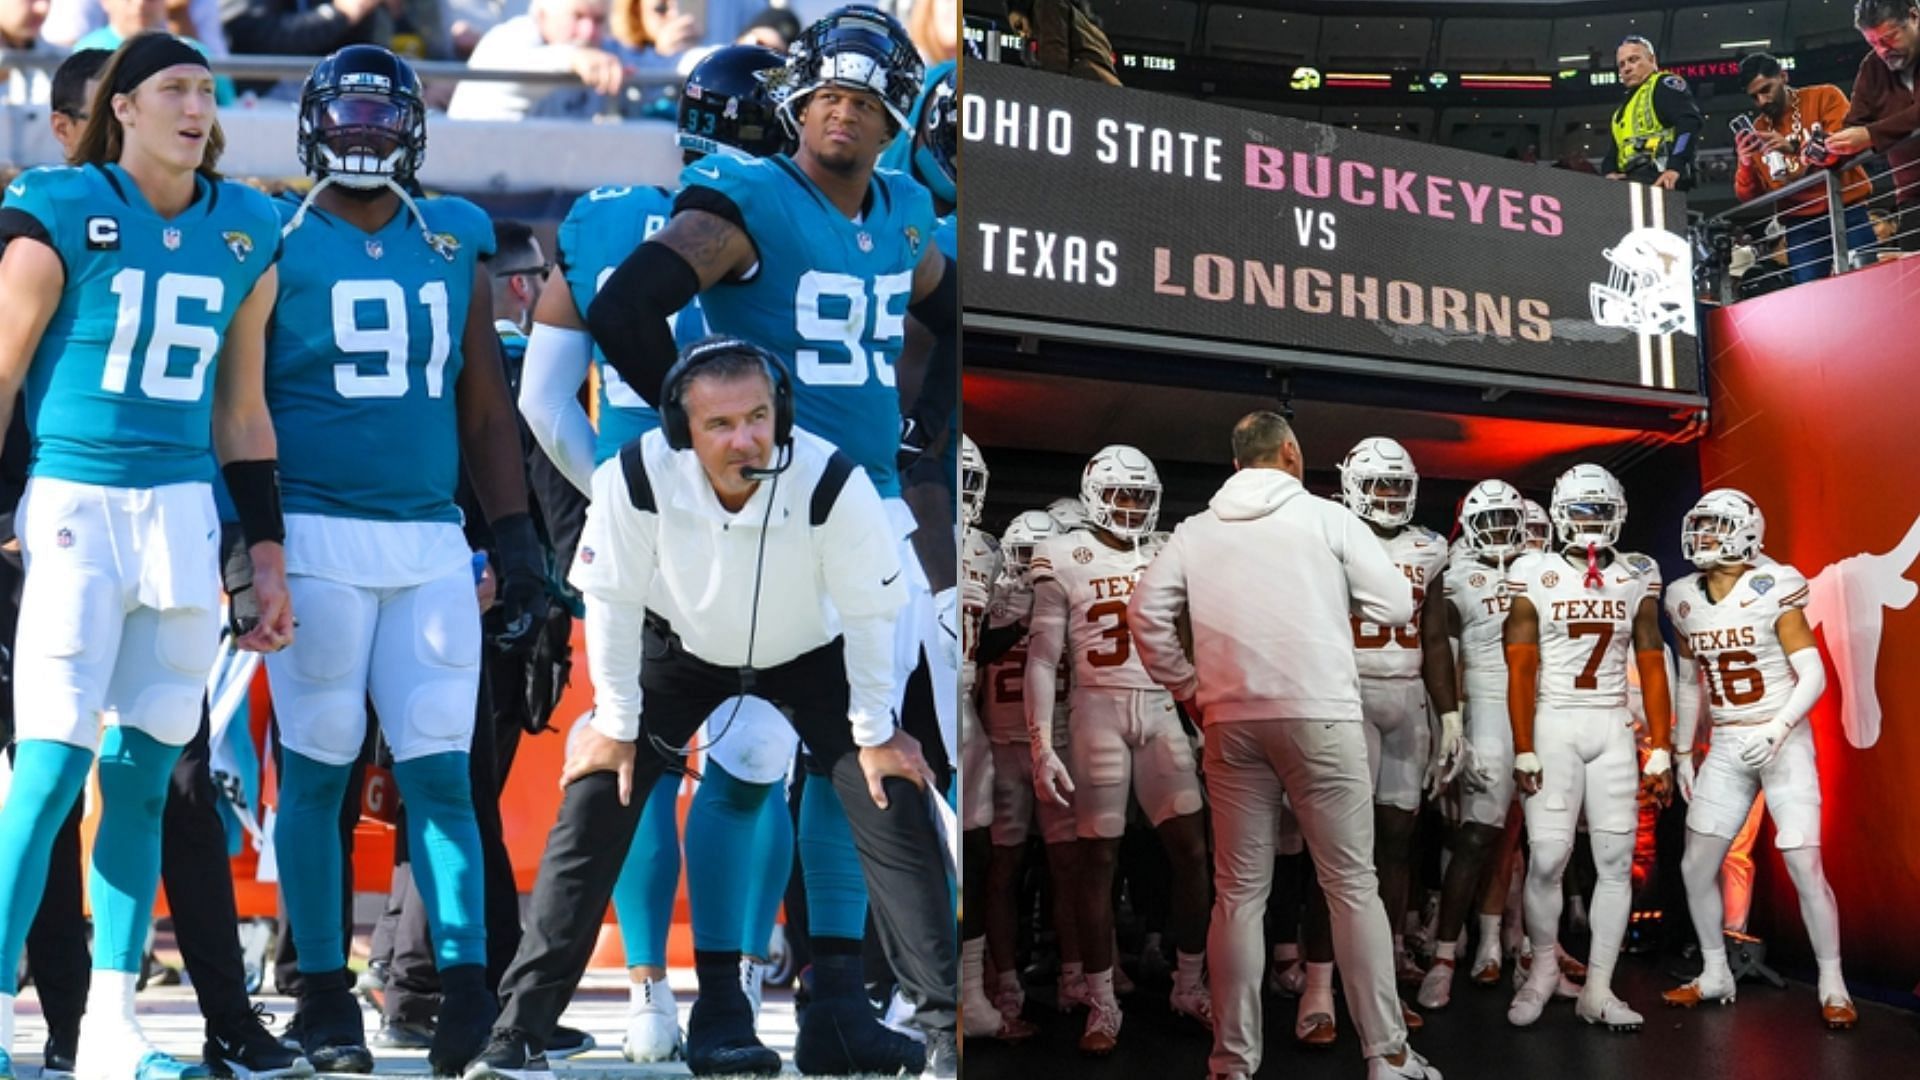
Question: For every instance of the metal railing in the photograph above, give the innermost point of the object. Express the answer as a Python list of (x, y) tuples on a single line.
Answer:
[(258, 68), (1718, 236)]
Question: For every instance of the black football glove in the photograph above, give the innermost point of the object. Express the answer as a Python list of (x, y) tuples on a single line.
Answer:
[(522, 568), (236, 576)]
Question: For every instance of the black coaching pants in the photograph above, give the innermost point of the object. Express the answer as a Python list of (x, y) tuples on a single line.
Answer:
[(899, 848)]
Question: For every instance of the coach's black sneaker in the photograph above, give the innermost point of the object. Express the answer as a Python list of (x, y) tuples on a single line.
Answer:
[(509, 1056), (720, 1038), (843, 1035), (241, 1047), (331, 1030), (59, 1056), (566, 1042), (467, 1012)]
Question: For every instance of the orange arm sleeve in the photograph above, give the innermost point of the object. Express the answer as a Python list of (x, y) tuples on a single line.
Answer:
[(1656, 695), (1523, 675)]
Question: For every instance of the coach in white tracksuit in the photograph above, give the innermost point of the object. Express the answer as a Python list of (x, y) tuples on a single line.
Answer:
[(1270, 575)]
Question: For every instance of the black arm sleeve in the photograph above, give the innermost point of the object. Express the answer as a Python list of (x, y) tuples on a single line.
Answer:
[(1675, 106), (997, 641), (939, 312), (630, 316)]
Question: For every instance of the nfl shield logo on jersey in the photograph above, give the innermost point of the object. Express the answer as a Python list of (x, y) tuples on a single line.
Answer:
[(63, 538), (375, 249), (171, 238), (586, 555), (865, 241)]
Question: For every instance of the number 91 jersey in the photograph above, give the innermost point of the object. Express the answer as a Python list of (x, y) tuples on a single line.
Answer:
[(363, 358), (829, 295), (120, 392), (1734, 641), (1586, 634), (1098, 581)]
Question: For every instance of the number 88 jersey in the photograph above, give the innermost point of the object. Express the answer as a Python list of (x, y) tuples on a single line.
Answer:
[(829, 295), (1734, 641), (1586, 634), (120, 391), (363, 357), (1098, 581), (1393, 652)]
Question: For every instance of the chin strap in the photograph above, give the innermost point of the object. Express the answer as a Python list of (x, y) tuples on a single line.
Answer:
[(300, 215)]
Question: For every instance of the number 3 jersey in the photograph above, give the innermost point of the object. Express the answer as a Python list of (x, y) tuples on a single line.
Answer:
[(1586, 634), (120, 392), (363, 357), (1393, 652), (1748, 675), (1098, 581), (829, 295)]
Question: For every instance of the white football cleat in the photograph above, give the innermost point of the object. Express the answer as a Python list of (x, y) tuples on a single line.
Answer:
[(1610, 1011), (1436, 990), (653, 1024), (1529, 1003), (752, 982), (1192, 1001), (1414, 1067)]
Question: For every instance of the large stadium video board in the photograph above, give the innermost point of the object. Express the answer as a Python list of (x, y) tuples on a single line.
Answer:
[(1092, 207)]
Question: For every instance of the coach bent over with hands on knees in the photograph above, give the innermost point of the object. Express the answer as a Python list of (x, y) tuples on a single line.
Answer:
[(728, 553), (1270, 576)]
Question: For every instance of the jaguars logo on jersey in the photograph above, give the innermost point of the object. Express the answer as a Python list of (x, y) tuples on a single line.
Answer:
[(446, 244), (239, 243)]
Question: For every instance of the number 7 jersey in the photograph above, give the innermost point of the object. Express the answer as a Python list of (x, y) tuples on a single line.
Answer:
[(120, 392), (829, 295), (1098, 581), (1586, 634), (1735, 641)]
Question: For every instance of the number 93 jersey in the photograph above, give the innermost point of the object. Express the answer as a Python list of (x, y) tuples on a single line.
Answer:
[(829, 295), (1586, 634), (604, 227), (364, 356), (120, 392), (1098, 581), (1734, 641)]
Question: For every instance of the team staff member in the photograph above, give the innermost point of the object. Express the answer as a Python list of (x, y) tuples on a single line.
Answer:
[(1279, 693), (725, 552), (1657, 129)]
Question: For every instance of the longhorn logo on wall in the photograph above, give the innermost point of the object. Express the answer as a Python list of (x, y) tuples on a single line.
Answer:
[(1850, 601)]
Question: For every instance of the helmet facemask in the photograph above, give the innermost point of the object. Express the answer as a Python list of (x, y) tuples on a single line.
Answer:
[(1132, 521), (1709, 539), (1385, 500), (362, 142), (1498, 532), (1589, 522)]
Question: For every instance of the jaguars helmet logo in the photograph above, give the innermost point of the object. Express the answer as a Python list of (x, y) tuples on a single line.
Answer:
[(447, 244), (239, 243)]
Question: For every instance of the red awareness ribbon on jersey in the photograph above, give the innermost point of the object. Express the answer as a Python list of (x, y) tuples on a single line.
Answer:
[(1594, 579)]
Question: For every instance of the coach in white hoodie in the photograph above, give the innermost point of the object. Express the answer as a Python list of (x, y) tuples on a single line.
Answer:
[(1269, 575)]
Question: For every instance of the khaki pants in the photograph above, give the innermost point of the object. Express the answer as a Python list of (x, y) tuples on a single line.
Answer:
[(1322, 766)]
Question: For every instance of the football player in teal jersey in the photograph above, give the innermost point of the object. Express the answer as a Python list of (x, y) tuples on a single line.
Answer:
[(822, 257), (384, 375), (128, 276), (726, 110)]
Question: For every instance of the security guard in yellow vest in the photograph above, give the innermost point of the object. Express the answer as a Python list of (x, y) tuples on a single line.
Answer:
[(1655, 132)]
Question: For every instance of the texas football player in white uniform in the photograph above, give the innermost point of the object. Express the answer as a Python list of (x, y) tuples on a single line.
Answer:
[(1002, 696), (1741, 621), (1400, 668), (1126, 736), (1575, 614)]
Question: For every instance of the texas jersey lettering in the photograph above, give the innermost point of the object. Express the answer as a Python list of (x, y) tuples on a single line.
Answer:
[(1586, 634), (1097, 580), (1748, 675)]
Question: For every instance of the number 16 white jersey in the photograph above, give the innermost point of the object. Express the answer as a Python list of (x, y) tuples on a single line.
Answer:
[(1748, 674)]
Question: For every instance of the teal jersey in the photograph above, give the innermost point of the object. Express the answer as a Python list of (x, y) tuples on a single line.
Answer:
[(363, 358), (120, 391), (604, 227), (829, 295), (898, 155)]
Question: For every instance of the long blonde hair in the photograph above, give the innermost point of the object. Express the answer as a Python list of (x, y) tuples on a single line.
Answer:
[(103, 138)]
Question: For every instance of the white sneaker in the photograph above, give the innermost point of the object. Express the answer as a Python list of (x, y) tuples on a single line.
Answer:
[(752, 981), (1529, 1003), (1192, 1001), (653, 1024), (1436, 990), (1608, 1010), (1414, 1068), (114, 1049), (1290, 980)]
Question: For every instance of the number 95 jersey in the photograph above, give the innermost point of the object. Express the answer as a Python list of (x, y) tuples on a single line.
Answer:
[(1098, 581), (829, 295), (1586, 634), (363, 357), (120, 392), (1748, 674)]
